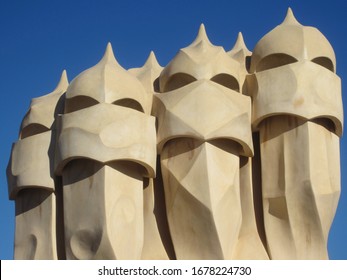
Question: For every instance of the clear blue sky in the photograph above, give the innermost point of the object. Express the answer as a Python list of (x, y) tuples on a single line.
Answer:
[(41, 38)]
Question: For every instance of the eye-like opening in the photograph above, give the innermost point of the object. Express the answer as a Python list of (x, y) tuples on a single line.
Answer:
[(129, 103), (130, 168), (37, 196), (180, 145), (325, 62), (328, 124), (81, 167), (227, 145), (178, 80), (33, 129), (274, 61), (78, 103), (156, 87), (227, 80)]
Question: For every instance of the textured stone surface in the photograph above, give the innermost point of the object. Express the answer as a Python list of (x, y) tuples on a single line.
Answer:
[(217, 155), (31, 180), (297, 109)]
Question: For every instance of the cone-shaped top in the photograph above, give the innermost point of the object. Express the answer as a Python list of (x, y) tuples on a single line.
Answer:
[(152, 61), (290, 18), (150, 64), (200, 60), (240, 43), (44, 108), (201, 37), (148, 73), (109, 56), (239, 48), (59, 90), (292, 39), (201, 45), (63, 83), (105, 82)]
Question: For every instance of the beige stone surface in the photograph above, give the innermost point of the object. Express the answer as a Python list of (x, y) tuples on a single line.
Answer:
[(249, 245), (95, 127), (157, 243), (217, 155), (43, 110), (295, 89), (242, 54), (290, 42), (106, 146), (200, 60), (297, 109), (31, 181), (301, 186), (35, 236), (203, 202), (205, 110), (30, 164), (148, 74), (203, 128), (107, 82), (103, 210)]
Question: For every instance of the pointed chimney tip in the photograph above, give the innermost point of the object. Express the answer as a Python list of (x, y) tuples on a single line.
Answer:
[(109, 50), (63, 82), (152, 60), (202, 36), (109, 55), (239, 44), (290, 18), (64, 75)]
